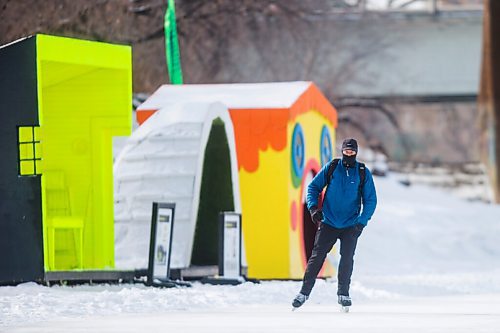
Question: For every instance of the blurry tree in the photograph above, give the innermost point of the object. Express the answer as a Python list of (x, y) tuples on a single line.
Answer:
[(281, 37), (224, 41), (489, 96), (346, 117), (456, 139)]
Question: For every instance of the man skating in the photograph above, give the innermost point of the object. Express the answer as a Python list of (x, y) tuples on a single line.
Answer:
[(349, 203)]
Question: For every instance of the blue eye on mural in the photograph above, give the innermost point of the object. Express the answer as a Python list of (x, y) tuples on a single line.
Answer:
[(325, 146), (298, 151)]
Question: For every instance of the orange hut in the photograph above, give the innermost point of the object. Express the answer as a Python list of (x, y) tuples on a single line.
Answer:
[(284, 132)]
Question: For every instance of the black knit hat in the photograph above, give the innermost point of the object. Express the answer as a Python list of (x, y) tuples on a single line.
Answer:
[(350, 144)]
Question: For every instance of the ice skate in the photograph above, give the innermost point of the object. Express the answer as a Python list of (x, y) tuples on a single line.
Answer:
[(345, 302), (299, 300)]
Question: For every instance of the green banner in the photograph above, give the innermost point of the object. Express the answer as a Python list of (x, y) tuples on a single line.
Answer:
[(172, 45)]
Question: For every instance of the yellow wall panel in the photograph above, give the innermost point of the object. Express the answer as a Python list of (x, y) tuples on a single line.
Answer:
[(85, 98), (312, 123), (265, 227)]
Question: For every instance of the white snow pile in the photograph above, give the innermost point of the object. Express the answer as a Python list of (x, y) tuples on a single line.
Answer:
[(421, 244)]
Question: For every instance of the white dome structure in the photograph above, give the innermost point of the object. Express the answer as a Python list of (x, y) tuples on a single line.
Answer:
[(162, 161)]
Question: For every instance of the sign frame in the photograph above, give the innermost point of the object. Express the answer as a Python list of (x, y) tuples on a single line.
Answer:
[(157, 208), (222, 250)]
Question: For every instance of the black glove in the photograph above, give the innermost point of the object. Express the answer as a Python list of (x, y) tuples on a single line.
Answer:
[(316, 215), (358, 228)]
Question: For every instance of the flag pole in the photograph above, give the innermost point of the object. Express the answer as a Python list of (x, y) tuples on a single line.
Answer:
[(172, 45)]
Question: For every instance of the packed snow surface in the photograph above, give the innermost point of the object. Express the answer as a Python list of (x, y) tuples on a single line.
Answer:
[(427, 262)]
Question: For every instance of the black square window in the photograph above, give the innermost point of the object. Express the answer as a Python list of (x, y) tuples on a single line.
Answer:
[(28, 138)]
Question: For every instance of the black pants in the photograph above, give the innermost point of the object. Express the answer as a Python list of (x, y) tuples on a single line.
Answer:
[(326, 237)]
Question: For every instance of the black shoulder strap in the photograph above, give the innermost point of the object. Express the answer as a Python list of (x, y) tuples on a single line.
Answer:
[(331, 169), (329, 173), (362, 175)]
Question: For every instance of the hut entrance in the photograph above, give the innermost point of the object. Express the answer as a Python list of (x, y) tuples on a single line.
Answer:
[(216, 195)]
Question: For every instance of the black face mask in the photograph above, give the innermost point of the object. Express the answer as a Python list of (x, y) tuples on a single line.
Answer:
[(348, 161)]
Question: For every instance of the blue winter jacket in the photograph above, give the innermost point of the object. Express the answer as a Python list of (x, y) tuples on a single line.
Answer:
[(342, 205)]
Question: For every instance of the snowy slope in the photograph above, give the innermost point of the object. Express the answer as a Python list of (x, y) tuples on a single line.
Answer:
[(419, 229), (426, 262)]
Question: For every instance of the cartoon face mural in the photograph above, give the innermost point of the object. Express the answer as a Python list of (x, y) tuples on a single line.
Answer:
[(297, 156), (325, 146), (279, 152), (316, 151)]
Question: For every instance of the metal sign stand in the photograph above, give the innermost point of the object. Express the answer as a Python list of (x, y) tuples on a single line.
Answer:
[(230, 262), (160, 247)]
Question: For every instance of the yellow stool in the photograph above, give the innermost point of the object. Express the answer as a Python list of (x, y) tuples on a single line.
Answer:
[(59, 217), (65, 223)]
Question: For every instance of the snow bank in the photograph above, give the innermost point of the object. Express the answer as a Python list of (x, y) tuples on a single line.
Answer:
[(421, 242)]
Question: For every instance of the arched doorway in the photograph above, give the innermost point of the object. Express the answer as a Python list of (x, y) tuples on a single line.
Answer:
[(216, 195)]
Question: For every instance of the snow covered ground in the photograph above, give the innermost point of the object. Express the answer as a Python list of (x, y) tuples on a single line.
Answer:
[(427, 262)]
